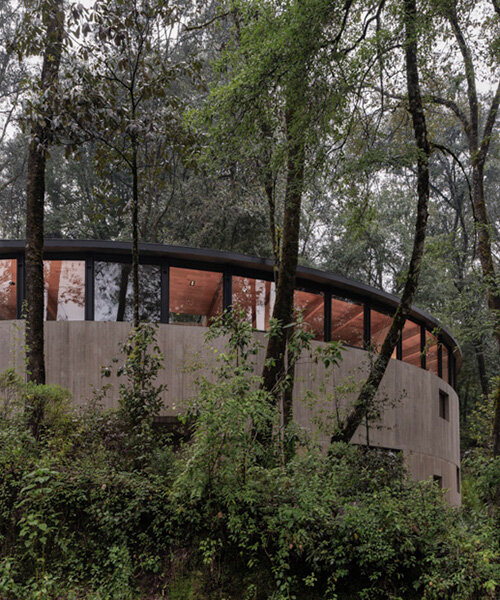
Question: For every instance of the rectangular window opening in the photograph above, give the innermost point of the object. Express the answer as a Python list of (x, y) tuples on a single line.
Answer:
[(439, 480), (458, 480), (444, 408), (113, 299), (380, 325), (431, 351), (64, 284)]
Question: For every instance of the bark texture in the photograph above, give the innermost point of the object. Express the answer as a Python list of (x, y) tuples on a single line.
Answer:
[(275, 367), (372, 383), (41, 134)]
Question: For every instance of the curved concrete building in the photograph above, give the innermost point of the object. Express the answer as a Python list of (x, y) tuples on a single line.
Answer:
[(89, 301)]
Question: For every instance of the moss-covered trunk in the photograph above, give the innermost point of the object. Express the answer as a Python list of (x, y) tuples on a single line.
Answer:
[(275, 366)]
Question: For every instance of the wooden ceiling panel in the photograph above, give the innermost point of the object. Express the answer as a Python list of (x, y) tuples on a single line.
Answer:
[(195, 292)]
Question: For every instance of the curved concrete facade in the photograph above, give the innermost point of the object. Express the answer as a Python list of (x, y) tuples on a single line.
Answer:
[(420, 415)]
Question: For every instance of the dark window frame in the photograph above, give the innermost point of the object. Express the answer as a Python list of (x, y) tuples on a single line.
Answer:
[(389, 313), (420, 325), (228, 302)]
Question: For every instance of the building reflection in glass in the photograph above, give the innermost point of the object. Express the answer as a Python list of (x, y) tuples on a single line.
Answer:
[(256, 297), (64, 282), (8, 289)]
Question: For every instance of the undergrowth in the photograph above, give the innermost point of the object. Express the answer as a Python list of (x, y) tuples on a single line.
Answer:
[(100, 505)]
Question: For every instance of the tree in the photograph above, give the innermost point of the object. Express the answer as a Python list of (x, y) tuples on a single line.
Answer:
[(124, 94), (52, 22), (479, 138), (377, 370), (287, 78)]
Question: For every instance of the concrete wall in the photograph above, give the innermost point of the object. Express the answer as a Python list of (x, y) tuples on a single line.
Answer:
[(76, 351)]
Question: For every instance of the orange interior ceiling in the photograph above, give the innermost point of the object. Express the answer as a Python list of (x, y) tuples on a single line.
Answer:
[(195, 292), (411, 343), (347, 320)]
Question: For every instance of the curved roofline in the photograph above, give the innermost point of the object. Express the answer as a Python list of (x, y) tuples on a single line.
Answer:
[(222, 257)]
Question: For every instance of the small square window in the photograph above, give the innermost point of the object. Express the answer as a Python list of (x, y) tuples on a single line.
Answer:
[(439, 480), (444, 409)]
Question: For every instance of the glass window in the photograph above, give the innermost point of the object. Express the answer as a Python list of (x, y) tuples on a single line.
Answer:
[(411, 343), (347, 322), (114, 294), (312, 307), (446, 362), (380, 323), (64, 282), (195, 296), (256, 297), (8, 289), (431, 352)]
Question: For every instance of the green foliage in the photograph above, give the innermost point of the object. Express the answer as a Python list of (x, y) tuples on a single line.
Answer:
[(481, 478), (140, 398), (222, 516), (43, 408)]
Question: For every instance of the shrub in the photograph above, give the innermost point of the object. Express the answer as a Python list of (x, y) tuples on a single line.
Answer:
[(224, 516)]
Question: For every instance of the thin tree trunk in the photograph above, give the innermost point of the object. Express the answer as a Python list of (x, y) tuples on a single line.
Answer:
[(135, 233), (122, 292), (372, 383), (53, 18), (269, 189)]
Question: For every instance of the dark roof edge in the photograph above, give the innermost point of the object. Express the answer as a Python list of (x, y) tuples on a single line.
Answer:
[(244, 261)]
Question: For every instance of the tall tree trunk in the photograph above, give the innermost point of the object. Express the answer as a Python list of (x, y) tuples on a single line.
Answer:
[(372, 383), (135, 232), (275, 363), (478, 152), (53, 19)]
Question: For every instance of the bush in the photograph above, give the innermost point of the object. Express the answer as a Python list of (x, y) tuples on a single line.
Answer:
[(223, 516)]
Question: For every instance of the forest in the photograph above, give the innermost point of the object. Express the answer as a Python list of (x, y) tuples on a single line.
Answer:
[(359, 137)]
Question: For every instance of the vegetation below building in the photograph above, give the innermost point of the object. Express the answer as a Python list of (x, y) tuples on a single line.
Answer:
[(100, 505)]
